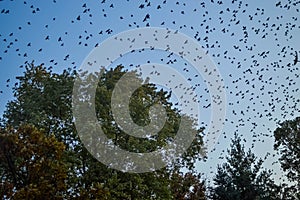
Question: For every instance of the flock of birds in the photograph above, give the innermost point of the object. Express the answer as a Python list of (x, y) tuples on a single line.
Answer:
[(254, 47)]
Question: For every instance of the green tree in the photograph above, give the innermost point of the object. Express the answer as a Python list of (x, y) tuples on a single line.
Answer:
[(44, 99), (242, 177), (287, 143)]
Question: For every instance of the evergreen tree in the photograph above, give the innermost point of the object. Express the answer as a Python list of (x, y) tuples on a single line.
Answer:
[(242, 177)]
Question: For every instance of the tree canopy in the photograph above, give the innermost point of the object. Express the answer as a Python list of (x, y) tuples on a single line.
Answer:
[(43, 157), (242, 177), (287, 143), (32, 165), (42, 109)]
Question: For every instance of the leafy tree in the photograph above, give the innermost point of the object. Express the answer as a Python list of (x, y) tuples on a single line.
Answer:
[(31, 164), (287, 143), (187, 187), (242, 177), (44, 99)]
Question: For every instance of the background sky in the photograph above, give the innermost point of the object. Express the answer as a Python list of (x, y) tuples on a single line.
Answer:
[(252, 43)]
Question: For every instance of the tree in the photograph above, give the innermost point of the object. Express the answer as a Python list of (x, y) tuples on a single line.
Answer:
[(287, 143), (31, 164), (44, 99), (187, 187), (242, 177)]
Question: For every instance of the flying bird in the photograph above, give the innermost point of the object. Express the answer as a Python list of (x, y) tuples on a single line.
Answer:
[(296, 60)]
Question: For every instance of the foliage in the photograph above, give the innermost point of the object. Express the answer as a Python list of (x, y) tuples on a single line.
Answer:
[(32, 165), (43, 99), (187, 186), (242, 177), (287, 143)]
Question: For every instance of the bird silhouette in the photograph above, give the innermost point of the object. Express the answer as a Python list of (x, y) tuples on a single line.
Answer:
[(296, 60), (250, 44)]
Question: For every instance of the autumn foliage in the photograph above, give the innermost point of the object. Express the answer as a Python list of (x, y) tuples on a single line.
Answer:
[(33, 167)]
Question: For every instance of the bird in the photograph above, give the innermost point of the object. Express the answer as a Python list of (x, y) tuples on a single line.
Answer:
[(296, 60), (261, 83)]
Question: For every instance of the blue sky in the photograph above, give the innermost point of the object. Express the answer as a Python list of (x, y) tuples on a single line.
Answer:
[(256, 82)]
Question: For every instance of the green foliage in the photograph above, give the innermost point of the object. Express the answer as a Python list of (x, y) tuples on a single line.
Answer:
[(43, 99), (242, 177), (287, 143)]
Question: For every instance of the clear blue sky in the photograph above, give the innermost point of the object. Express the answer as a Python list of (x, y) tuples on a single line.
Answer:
[(256, 83)]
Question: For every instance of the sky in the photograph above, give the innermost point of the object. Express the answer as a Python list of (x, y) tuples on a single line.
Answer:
[(252, 44)]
